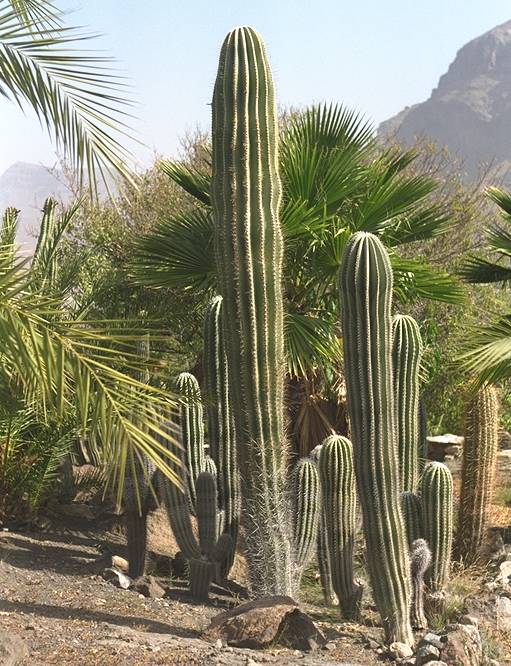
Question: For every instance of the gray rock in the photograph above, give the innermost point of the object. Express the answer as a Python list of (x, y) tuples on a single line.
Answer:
[(12, 649), (503, 611), (400, 650), (433, 639), (426, 653)]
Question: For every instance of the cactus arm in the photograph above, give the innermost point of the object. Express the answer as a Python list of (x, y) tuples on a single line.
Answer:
[(412, 513)]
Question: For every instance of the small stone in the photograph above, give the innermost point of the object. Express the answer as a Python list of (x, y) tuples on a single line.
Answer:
[(469, 619), (493, 662), (120, 563), (433, 639), (330, 645), (218, 644), (372, 644), (117, 578), (400, 650), (426, 653), (437, 663), (251, 662)]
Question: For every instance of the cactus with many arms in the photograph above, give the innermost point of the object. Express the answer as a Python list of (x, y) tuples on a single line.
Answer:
[(222, 443), (339, 507), (478, 472), (412, 514), (306, 505), (406, 356), (437, 519), (366, 292), (246, 194), (192, 428)]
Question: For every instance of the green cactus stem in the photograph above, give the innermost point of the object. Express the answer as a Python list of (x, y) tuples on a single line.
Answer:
[(222, 443), (407, 351), (339, 499), (412, 514), (246, 194), (366, 283), (478, 471), (437, 518), (191, 419), (306, 501)]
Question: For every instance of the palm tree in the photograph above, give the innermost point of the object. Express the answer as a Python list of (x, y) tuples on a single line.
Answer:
[(57, 362), (489, 353), (82, 104), (336, 180)]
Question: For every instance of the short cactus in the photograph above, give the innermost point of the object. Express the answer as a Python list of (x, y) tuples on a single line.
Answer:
[(420, 563), (478, 474), (246, 195), (412, 513), (222, 443), (208, 553), (192, 428), (306, 504), (366, 284), (339, 500), (406, 356), (437, 519)]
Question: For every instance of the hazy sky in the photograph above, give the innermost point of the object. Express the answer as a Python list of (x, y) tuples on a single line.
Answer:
[(374, 56)]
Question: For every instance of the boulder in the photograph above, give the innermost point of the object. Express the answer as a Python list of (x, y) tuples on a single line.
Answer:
[(259, 623), (149, 587), (503, 611), (12, 649), (463, 646), (400, 650), (117, 578)]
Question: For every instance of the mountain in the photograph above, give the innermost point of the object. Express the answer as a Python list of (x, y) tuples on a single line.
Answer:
[(470, 109), (25, 186)]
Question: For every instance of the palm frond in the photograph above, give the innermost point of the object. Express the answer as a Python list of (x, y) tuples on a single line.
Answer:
[(177, 253), (189, 179), (501, 198), (35, 13), (489, 353), (310, 343), (481, 271), (415, 279), (73, 93)]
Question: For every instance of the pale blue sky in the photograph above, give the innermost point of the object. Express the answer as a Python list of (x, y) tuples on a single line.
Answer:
[(374, 56)]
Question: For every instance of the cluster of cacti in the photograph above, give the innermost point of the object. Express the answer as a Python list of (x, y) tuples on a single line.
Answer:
[(437, 519), (207, 554), (245, 194), (366, 282), (406, 357), (479, 458), (338, 496)]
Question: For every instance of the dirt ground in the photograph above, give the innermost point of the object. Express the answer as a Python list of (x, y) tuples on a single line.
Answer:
[(53, 597)]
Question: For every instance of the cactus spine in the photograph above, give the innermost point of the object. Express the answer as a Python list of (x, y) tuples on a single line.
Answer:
[(366, 293), (437, 518), (479, 458), (339, 507), (192, 428), (222, 443), (412, 514), (406, 356), (306, 499), (246, 195)]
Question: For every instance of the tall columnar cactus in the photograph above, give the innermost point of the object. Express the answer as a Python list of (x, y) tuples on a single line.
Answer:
[(406, 356), (339, 500), (222, 443), (412, 514), (306, 510), (420, 563), (192, 428), (479, 458), (206, 555), (246, 194), (366, 293), (437, 519)]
